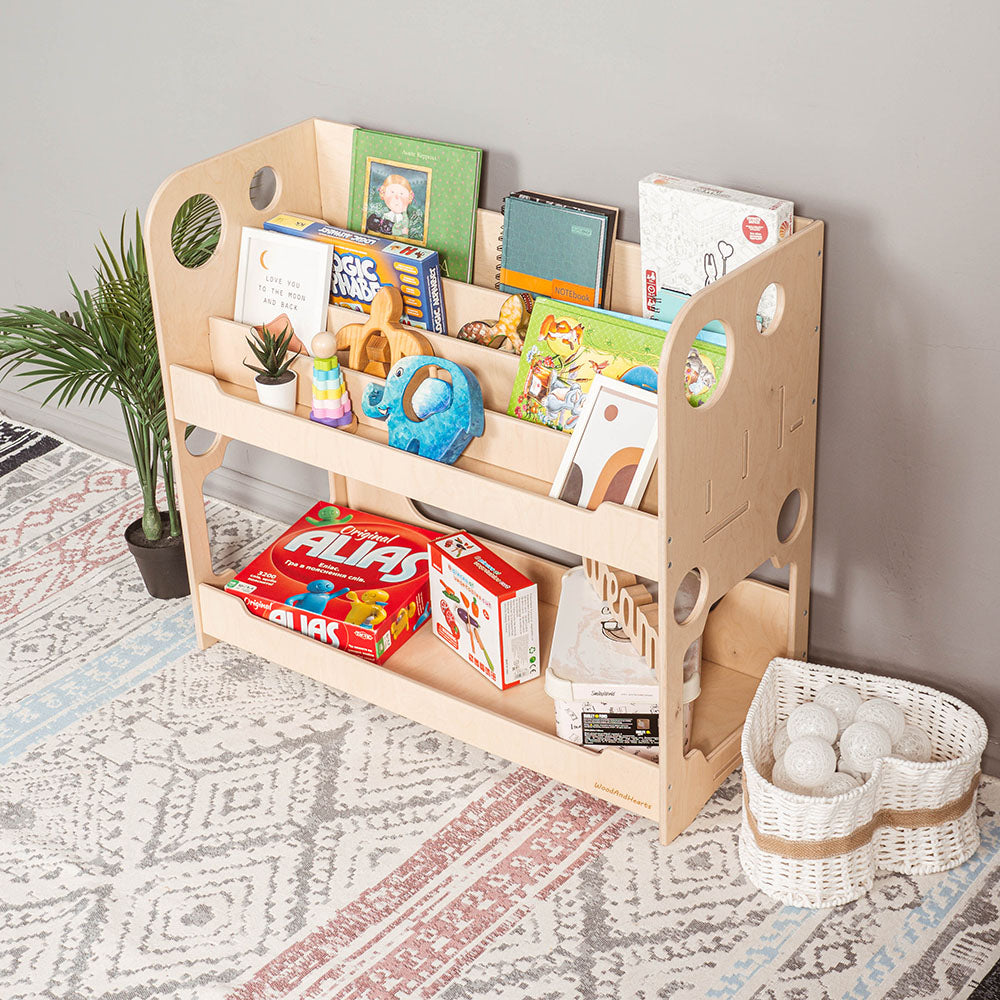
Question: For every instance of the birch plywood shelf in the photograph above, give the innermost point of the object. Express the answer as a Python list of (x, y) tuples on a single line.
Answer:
[(724, 471)]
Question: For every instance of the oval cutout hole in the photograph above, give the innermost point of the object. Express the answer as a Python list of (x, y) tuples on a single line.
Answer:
[(199, 441), (790, 516), (770, 306), (688, 599), (196, 230), (708, 361), (263, 188)]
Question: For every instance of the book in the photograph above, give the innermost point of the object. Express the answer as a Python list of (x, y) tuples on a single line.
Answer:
[(281, 276), (417, 191), (566, 346), (363, 264), (611, 454), (344, 577), (557, 247)]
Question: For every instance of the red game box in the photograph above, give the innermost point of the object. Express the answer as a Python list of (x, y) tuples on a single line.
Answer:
[(354, 580)]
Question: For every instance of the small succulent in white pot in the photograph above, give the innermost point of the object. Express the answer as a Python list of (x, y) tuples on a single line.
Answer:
[(275, 381)]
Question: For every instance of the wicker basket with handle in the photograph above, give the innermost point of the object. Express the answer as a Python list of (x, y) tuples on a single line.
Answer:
[(908, 817)]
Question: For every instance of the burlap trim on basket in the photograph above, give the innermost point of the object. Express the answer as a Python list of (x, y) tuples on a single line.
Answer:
[(812, 850)]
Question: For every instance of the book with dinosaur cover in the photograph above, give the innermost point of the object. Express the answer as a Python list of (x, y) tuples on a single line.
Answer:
[(566, 346), (417, 191), (557, 247), (351, 579)]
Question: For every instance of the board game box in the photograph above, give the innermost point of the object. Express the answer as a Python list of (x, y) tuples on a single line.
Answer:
[(351, 579), (485, 610), (363, 264)]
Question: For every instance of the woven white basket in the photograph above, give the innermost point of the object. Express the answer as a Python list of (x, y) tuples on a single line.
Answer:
[(908, 817)]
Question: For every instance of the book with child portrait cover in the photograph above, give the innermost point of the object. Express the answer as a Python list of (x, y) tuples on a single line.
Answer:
[(417, 191)]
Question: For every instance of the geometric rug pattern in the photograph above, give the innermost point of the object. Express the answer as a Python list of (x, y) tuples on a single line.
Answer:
[(200, 825)]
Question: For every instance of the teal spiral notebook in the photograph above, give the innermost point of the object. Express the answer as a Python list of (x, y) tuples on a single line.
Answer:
[(557, 248)]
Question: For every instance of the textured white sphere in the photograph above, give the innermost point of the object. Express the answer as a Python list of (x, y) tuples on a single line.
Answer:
[(840, 782), (810, 761), (914, 744), (883, 713), (779, 777), (781, 740), (842, 700), (862, 744), (812, 720), (844, 768)]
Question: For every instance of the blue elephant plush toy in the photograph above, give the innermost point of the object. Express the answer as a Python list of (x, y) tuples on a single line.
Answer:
[(433, 417)]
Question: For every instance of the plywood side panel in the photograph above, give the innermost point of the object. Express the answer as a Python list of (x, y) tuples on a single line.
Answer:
[(334, 142)]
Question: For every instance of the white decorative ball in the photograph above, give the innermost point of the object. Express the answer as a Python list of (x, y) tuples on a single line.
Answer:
[(812, 720), (844, 768), (883, 713), (862, 744), (810, 761), (842, 700), (781, 741), (840, 782), (779, 777), (914, 744)]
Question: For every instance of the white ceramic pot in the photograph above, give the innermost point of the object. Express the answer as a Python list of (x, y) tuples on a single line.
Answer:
[(282, 396)]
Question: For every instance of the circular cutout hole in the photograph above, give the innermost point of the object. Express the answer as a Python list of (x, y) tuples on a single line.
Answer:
[(689, 597), (199, 441), (707, 365), (770, 306), (790, 516), (196, 230), (263, 188)]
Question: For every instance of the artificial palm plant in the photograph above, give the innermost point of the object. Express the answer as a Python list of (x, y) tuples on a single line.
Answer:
[(107, 346)]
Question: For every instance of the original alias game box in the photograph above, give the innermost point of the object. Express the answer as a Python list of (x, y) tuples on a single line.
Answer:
[(351, 579)]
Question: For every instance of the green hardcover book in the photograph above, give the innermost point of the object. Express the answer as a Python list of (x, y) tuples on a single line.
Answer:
[(417, 191), (567, 345)]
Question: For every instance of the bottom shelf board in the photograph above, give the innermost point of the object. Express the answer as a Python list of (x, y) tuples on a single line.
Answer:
[(427, 682)]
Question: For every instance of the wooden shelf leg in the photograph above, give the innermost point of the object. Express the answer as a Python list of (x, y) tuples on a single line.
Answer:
[(190, 472), (799, 577)]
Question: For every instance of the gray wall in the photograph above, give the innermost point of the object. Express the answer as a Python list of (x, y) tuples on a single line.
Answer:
[(879, 118)]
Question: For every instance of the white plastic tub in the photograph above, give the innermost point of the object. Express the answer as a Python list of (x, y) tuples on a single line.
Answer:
[(604, 691)]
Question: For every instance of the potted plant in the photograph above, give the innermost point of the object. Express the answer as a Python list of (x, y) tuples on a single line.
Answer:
[(276, 383), (107, 347)]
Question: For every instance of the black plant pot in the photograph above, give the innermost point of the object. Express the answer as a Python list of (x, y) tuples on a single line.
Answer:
[(161, 563)]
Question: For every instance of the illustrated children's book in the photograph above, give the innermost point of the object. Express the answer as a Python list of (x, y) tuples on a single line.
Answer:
[(282, 276), (613, 448), (417, 191), (354, 580), (363, 264), (484, 609), (693, 234), (558, 248), (566, 346)]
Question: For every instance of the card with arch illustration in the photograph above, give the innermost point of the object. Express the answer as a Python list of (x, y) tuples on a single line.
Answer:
[(611, 455)]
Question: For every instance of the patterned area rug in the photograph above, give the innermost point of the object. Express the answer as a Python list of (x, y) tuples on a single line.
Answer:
[(205, 825)]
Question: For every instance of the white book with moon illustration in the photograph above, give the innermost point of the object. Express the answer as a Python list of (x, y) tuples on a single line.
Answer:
[(283, 276)]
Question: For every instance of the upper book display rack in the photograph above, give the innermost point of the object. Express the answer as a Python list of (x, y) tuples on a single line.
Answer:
[(724, 472)]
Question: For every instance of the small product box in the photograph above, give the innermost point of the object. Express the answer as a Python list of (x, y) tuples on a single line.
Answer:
[(692, 234), (363, 264), (354, 580), (484, 609)]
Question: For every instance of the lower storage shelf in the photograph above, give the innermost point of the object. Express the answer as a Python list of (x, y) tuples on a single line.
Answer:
[(425, 682)]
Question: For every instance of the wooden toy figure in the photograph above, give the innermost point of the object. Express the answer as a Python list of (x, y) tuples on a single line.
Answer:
[(433, 407), (381, 341), (331, 404)]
